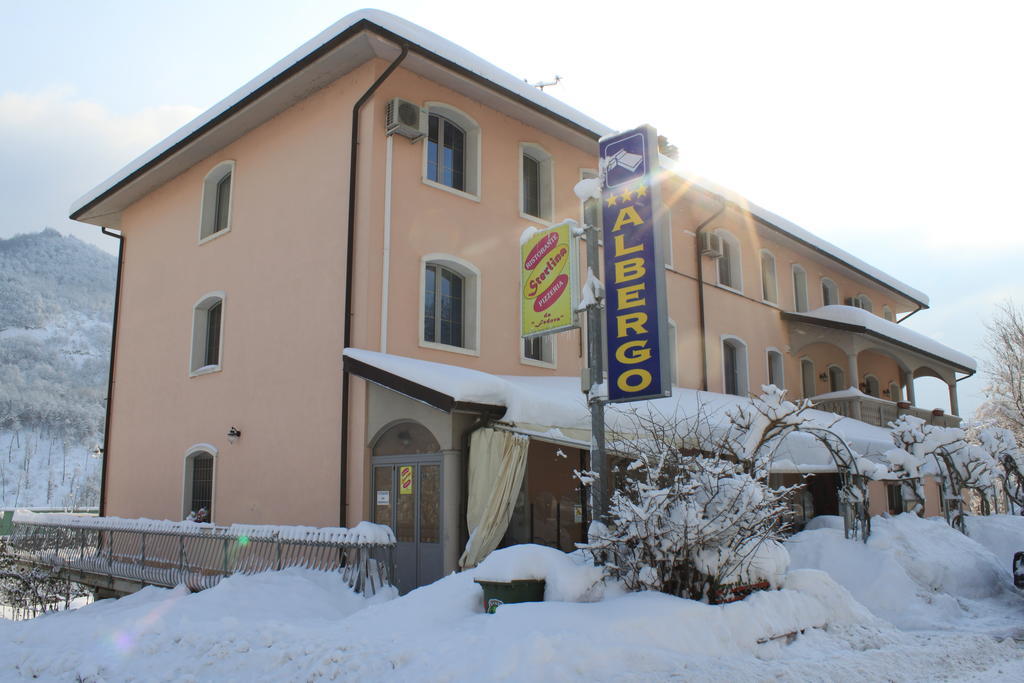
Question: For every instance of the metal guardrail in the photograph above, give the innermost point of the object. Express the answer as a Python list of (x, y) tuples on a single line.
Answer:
[(199, 558)]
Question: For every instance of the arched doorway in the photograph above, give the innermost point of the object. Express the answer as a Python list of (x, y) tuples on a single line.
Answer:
[(407, 496)]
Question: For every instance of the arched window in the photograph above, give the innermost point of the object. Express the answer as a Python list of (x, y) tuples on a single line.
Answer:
[(799, 288), (829, 292), (406, 438), (871, 386), (895, 392), (888, 314), (769, 283), (207, 333), (807, 377), (536, 182), (730, 262), (198, 490), (862, 301), (452, 153), (216, 206), (836, 378), (734, 366), (776, 369), (450, 303)]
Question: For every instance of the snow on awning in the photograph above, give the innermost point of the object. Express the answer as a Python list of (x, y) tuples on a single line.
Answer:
[(554, 409), (858, 320)]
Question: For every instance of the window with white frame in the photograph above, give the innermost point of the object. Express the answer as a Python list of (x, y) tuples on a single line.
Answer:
[(829, 292), (730, 262), (198, 489), (769, 283), (807, 378), (888, 314), (535, 182), (450, 303), (539, 350), (895, 393), (776, 369), (207, 333), (871, 386), (734, 366), (799, 288), (862, 301), (452, 150), (215, 217), (836, 378)]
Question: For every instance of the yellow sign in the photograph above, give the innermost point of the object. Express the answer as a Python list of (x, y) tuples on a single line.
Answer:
[(405, 479), (548, 277)]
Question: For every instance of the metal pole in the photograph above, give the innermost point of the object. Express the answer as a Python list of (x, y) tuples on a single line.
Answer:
[(595, 365)]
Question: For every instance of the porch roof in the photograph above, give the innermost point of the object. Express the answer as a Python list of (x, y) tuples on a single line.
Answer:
[(852, 319), (554, 409)]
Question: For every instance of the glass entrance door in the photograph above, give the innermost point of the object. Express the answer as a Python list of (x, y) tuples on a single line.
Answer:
[(407, 497)]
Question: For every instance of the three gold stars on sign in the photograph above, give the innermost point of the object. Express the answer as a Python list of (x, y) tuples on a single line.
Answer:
[(627, 194)]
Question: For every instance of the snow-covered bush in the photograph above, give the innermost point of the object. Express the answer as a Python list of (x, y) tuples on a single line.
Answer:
[(693, 514), (30, 590)]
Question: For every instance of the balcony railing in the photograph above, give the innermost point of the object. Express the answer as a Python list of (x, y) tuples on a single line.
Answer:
[(879, 412), (145, 552)]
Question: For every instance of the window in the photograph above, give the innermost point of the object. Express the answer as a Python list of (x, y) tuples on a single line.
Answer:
[(862, 301), (829, 292), (888, 314), (871, 386), (207, 333), (536, 182), (799, 288), (450, 305), (452, 153), (539, 350), (729, 273), (776, 371), (895, 393), (216, 208), (734, 366), (894, 498), (198, 489), (769, 284), (807, 377), (836, 379), (592, 206)]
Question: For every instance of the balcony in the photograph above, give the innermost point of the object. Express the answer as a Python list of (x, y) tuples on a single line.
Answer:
[(878, 411)]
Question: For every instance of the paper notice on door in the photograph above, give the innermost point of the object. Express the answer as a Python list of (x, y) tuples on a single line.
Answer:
[(383, 497), (405, 479)]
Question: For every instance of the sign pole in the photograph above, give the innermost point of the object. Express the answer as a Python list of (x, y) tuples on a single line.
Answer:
[(595, 365)]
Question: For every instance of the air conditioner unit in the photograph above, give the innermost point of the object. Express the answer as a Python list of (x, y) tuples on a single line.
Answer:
[(405, 118), (710, 245)]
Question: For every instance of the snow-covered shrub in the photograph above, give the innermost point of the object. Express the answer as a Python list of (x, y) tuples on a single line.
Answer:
[(30, 590), (693, 514)]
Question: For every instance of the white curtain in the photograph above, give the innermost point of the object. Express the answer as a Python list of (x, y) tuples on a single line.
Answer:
[(497, 463)]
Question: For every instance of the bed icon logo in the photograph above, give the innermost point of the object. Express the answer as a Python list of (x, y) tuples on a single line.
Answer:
[(624, 161)]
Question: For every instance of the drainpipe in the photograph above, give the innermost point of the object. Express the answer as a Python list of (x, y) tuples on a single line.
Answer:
[(700, 293), (110, 370), (919, 307), (349, 260)]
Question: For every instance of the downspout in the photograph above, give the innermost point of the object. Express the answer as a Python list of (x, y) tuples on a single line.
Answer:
[(919, 307), (349, 259), (385, 278), (700, 293), (110, 370)]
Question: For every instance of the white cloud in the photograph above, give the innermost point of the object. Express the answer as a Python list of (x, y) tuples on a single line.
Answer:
[(55, 146)]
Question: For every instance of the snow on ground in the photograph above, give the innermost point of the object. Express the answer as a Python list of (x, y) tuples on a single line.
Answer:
[(304, 625)]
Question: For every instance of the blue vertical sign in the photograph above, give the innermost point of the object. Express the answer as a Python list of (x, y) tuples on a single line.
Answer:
[(634, 268)]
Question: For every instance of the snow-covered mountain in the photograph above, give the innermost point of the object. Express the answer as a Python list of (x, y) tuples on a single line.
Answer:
[(56, 308)]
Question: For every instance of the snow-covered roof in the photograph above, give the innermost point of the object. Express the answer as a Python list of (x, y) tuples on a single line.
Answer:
[(319, 61), (858, 320), (797, 233), (546, 405)]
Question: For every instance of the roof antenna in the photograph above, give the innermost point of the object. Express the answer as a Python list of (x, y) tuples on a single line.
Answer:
[(540, 85)]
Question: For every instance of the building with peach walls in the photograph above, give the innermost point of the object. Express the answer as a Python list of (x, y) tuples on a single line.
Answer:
[(368, 192)]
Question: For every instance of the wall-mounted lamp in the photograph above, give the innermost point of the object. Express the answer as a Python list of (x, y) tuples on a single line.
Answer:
[(233, 434), (885, 392), (823, 377), (97, 451)]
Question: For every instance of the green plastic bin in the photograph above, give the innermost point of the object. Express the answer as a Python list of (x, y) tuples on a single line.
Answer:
[(497, 593), (6, 522)]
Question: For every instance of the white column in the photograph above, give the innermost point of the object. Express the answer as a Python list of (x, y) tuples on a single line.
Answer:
[(855, 383), (954, 408), (910, 388)]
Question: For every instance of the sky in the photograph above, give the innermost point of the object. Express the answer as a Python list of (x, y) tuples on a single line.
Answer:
[(892, 129)]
